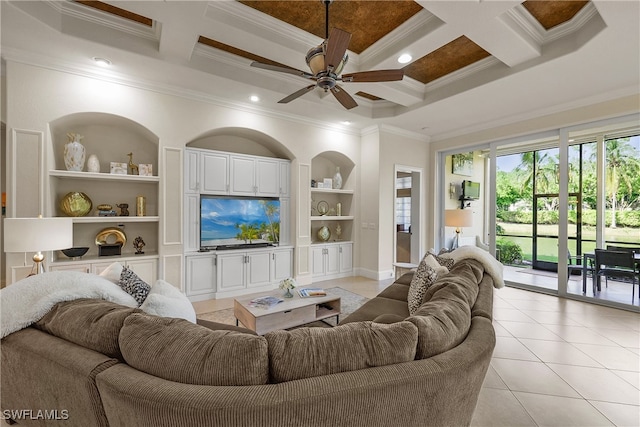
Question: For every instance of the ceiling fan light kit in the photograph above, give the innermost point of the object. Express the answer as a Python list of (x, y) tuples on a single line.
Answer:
[(326, 63)]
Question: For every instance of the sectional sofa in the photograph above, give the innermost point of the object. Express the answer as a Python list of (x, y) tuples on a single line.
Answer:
[(90, 362)]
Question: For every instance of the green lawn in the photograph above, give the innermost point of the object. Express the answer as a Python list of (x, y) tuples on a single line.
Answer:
[(548, 247)]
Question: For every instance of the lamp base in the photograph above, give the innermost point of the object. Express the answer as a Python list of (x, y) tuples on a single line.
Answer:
[(455, 243), (38, 263)]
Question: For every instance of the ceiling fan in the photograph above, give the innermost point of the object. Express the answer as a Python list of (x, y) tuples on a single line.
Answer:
[(326, 62)]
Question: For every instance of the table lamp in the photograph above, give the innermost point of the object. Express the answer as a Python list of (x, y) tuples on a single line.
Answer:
[(458, 218), (37, 235)]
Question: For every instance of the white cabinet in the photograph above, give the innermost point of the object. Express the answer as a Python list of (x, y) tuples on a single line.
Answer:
[(242, 270), (332, 260), (214, 172), (201, 276), (146, 268), (252, 176), (191, 222), (285, 176), (282, 267), (192, 171)]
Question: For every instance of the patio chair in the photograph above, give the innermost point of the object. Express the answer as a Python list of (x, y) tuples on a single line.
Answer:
[(616, 264), (575, 264), (623, 248)]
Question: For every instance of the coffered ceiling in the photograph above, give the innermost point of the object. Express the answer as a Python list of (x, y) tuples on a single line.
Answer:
[(473, 62)]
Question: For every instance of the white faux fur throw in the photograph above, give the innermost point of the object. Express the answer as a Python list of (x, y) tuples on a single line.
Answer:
[(28, 300), (492, 266)]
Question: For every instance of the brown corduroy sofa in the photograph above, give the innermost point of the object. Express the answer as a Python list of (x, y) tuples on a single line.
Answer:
[(95, 363)]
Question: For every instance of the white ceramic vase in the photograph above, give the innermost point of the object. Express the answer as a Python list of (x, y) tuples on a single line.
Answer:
[(74, 156), (337, 179), (93, 164)]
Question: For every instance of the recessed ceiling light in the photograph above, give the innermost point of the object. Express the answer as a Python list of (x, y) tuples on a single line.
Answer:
[(102, 61), (345, 122), (254, 98), (404, 58)]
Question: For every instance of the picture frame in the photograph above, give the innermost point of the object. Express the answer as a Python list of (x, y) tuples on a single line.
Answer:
[(145, 169), (462, 164), (328, 182), (118, 168)]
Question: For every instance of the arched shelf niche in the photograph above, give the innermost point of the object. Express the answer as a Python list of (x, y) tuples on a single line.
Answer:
[(108, 136), (324, 165), (241, 141)]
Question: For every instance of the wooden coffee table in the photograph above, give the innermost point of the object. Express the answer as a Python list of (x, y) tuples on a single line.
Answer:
[(291, 312)]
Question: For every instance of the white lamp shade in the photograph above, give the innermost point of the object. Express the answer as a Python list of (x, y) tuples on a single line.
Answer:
[(458, 218), (37, 234)]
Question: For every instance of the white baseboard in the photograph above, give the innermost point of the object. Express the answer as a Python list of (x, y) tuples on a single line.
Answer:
[(375, 275)]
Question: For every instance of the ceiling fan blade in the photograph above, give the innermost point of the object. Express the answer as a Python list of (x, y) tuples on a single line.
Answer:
[(343, 97), (337, 45), (374, 76), (297, 94), (281, 69)]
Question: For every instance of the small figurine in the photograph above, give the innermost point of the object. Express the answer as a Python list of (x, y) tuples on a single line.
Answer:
[(133, 168), (138, 243), (124, 209)]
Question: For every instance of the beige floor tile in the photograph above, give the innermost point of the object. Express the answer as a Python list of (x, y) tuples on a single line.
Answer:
[(559, 352), (500, 303), (552, 305), (511, 314), (623, 337), (499, 408), (492, 380), (598, 384), (550, 318), (511, 348), (579, 334), (620, 415), (532, 377), (612, 357), (500, 331), (632, 378), (529, 330), (559, 411)]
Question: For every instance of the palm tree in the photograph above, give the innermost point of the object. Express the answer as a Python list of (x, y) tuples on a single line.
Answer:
[(270, 210), (622, 165)]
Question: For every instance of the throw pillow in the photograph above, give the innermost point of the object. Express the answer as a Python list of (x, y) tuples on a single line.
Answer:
[(177, 350), (166, 300), (113, 272), (133, 285), (422, 279), (310, 352), (447, 262), (433, 263)]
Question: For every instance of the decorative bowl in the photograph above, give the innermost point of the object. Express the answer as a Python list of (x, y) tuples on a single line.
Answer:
[(324, 233), (75, 252), (75, 203)]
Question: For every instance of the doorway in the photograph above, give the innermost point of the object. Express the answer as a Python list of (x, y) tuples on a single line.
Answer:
[(407, 214)]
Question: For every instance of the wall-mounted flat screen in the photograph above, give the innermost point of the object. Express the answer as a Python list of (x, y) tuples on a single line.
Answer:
[(470, 190), (226, 221)]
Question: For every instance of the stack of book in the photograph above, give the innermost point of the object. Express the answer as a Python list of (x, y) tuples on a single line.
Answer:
[(311, 292), (107, 213)]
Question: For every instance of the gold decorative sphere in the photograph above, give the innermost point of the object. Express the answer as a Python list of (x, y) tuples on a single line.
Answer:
[(75, 203)]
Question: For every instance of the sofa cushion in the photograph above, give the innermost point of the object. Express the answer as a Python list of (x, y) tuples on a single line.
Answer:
[(133, 285), (90, 323), (444, 318), (166, 300), (375, 307), (443, 261), (180, 351), (311, 352), (396, 291)]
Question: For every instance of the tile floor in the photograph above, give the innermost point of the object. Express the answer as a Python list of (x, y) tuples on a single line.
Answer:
[(557, 362)]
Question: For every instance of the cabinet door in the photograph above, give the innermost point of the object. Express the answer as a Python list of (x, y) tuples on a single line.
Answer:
[(230, 272), (243, 176), (215, 173), (268, 178), (333, 259), (346, 257), (285, 178), (192, 171), (318, 261), (146, 269), (282, 264), (258, 269), (192, 220), (82, 268), (201, 275)]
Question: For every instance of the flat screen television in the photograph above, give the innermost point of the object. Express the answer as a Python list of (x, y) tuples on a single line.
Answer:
[(227, 221), (470, 190)]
